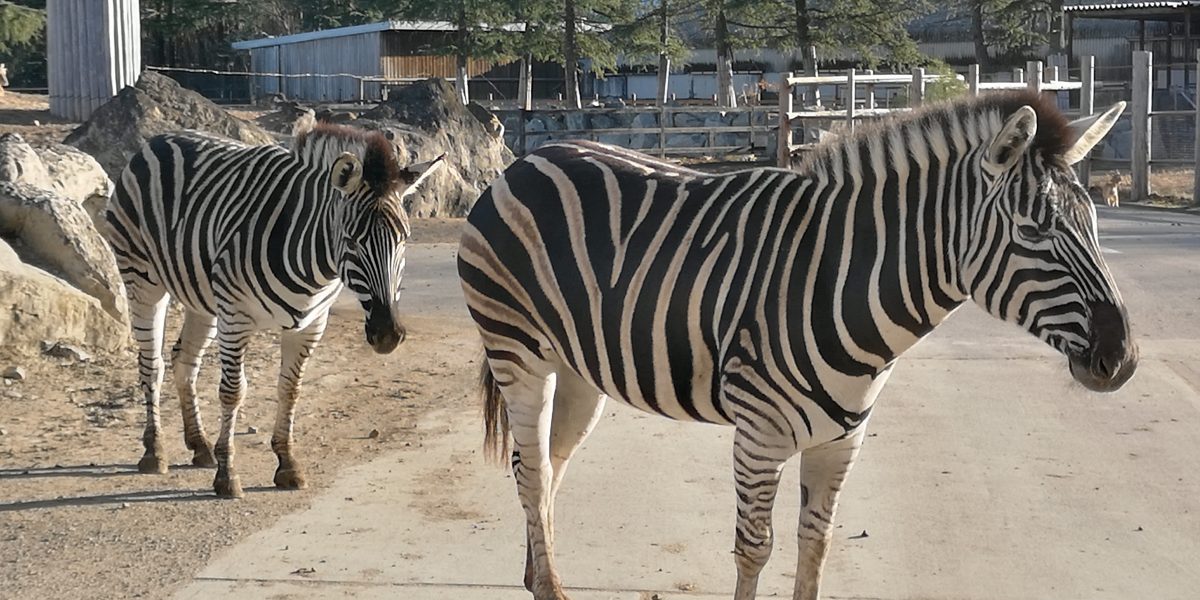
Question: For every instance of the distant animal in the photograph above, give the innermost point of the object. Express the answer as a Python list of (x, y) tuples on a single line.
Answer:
[(775, 301), (1111, 197), (3, 77), (250, 238)]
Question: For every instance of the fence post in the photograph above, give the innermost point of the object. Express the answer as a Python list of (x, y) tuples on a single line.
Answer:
[(851, 94), (917, 96), (1033, 72), (783, 137), (973, 80), (870, 105), (1018, 75), (662, 131), (1140, 152), (522, 113), (1196, 177), (814, 89), (1087, 107)]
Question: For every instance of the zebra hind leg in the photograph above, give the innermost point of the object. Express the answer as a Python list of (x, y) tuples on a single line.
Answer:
[(577, 408), (186, 356), (232, 337), (528, 394), (147, 318), (757, 467), (295, 348), (823, 470)]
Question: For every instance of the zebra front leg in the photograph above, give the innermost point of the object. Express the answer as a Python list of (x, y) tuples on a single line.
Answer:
[(577, 408), (147, 316), (295, 348), (231, 343), (529, 400), (823, 470), (186, 356), (757, 467)]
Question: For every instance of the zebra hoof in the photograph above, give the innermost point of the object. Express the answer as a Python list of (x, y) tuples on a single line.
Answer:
[(228, 488), (203, 457), (290, 479), (152, 464)]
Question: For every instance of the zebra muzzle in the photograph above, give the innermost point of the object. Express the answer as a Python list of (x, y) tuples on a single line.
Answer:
[(1113, 356), (383, 332)]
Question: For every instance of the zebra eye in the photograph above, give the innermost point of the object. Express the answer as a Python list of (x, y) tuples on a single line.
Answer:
[(1032, 233)]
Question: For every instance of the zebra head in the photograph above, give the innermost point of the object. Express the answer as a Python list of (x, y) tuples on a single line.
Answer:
[(1033, 257), (374, 229)]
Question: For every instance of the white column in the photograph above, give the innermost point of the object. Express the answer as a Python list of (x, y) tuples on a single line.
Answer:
[(93, 50)]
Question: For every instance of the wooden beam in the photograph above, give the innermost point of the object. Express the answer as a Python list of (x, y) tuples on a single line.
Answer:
[(1087, 107), (973, 80), (917, 95), (1196, 176), (1140, 152), (1033, 70), (851, 98), (783, 142)]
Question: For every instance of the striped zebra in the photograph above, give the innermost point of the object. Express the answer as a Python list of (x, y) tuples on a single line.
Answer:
[(775, 301), (249, 238)]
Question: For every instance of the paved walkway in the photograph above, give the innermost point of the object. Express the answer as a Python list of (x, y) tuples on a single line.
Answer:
[(988, 475)]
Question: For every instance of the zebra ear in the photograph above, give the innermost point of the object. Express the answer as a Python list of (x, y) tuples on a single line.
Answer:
[(1089, 131), (417, 172), (1012, 141), (346, 173)]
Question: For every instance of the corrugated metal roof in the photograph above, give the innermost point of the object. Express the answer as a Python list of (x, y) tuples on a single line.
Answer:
[(309, 36), (1171, 4)]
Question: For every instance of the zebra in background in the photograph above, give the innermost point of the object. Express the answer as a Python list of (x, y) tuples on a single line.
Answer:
[(249, 238), (775, 301)]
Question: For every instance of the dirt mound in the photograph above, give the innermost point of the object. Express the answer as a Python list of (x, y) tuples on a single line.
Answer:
[(156, 104), (427, 118)]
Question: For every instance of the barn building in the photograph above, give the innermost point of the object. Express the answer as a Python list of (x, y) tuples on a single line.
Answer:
[(357, 63)]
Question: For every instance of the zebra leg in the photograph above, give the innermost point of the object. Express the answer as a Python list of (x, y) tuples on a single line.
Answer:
[(823, 470), (295, 348), (231, 342), (577, 408), (186, 356), (756, 470), (147, 318), (529, 399)]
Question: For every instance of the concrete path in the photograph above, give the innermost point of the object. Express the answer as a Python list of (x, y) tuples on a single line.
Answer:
[(987, 475)]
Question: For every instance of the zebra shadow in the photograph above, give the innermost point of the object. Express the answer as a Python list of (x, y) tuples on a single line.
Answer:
[(121, 498)]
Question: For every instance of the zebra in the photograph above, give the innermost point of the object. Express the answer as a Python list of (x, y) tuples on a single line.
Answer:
[(249, 238), (775, 301)]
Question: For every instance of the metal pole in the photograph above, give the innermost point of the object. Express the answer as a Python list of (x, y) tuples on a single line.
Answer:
[(783, 141), (1087, 107), (1140, 168)]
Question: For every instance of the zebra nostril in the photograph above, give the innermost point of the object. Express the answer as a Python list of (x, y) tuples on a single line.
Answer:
[(1106, 368)]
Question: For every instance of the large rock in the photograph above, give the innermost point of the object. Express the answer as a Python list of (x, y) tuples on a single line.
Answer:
[(36, 306), (20, 163), (433, 120), (56, 233), (156, 104), (75, 174), (289, 118)]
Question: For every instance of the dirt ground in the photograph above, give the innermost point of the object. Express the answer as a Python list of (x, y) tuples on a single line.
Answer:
[(74, 512)]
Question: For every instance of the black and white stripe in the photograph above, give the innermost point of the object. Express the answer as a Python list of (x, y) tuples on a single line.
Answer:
[(775, 301), (249, 238)]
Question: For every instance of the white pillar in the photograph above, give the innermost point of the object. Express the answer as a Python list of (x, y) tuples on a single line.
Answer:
[(93, 49)]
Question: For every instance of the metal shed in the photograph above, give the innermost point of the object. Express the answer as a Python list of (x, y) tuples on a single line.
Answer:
[(349, 64)]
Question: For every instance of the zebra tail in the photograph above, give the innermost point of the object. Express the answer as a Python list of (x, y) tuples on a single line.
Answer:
[(495, 417)]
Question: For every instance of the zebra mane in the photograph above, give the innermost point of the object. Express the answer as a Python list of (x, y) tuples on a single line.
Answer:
[(1053, 136), (325, 142)]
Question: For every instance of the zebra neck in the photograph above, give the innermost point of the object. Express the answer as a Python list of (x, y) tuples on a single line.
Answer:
[(887, 228)]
